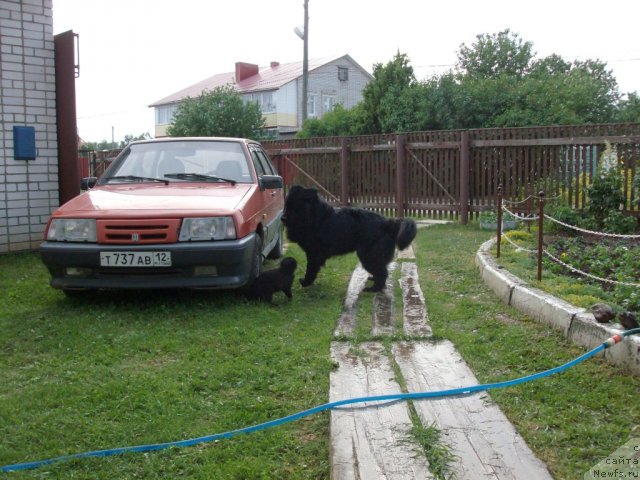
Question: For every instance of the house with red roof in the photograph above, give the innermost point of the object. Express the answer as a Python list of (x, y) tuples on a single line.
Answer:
[(277, 88)]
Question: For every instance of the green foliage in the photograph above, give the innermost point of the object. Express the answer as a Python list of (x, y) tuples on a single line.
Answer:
[(105, 145), (565, 214), (605, 193), (610, 260), (390, 88), (497, 82), (519, 235), (629, 109), (492, 56), (339, 122), (220, 112)]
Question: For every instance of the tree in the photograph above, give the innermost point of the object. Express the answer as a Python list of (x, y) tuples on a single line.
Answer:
[(497, 83), (491, 56), (107, 145), (132, 138), (220, 112), (503, 85), (391, 82), (629, 111)]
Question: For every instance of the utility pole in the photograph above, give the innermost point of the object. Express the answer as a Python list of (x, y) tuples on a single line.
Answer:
[(305, 61)]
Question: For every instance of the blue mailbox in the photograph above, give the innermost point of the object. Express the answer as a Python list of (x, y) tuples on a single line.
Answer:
[(24, 143)]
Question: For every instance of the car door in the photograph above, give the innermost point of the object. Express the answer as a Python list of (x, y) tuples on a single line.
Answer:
[(272, 198)]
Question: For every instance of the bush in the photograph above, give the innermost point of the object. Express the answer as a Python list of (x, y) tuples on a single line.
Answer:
[(565, 214), (605, 193)]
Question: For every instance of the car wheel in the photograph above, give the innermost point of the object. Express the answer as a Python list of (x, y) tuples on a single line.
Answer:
[(278, 249), (256, 267)]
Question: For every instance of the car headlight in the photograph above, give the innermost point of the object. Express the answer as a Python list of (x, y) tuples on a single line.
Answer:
[(72, 230), (207, 228)]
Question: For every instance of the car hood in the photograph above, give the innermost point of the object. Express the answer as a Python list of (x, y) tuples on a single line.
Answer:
[(157, 200)]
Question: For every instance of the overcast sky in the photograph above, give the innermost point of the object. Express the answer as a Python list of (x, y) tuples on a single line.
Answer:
[(134, 52)]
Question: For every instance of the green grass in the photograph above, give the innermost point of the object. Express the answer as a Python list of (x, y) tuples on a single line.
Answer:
[(571, 420), (121, 369)]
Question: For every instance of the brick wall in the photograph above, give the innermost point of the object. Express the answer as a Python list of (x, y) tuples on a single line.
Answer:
[(28, 189)]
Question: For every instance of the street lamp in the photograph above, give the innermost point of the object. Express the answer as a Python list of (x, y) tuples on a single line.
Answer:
[(304, 36)]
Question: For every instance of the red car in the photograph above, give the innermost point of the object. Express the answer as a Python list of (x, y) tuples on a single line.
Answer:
[(170, 213)]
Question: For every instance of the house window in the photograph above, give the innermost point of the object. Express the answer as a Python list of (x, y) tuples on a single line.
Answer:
[(264, 100), (328, 103), (165, 113), (343, 74), (312, 104)]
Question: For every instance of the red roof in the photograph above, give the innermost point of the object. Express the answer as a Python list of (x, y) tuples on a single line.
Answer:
[(268, 78)]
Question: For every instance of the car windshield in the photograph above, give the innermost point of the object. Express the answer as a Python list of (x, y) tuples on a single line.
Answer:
[(181, 161)]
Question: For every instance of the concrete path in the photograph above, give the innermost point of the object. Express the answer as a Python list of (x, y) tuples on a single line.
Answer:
[(374, 441)]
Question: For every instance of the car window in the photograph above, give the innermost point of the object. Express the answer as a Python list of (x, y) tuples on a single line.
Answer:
[(157, 159), (268, 168), (261, 162), (257, 163)]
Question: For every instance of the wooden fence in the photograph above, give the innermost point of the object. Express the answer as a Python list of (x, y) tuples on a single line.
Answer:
[(455, 174)]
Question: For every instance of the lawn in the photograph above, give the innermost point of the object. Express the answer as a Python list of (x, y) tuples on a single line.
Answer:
[(120, 369)]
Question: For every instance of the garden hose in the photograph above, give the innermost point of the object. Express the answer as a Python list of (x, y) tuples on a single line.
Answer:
[(327, 406)]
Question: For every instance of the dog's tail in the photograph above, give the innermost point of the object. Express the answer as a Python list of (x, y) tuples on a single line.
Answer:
[(406, 233)]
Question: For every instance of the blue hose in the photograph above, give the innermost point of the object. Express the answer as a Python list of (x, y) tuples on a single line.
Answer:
[(327, 406)]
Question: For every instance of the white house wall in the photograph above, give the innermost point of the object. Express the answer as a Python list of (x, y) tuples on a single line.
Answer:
[(286, 103), (324, 81), (28, 189)]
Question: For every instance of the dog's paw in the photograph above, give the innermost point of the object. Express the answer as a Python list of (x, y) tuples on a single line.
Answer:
[(304, 282)]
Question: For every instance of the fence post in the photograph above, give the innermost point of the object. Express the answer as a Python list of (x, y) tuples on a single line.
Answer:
[(540, 231), (499, 221), (344, 171), (464, 177), (400, 180)]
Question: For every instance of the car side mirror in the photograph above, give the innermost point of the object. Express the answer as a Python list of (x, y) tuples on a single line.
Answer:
[(270, 182), (88, 182)]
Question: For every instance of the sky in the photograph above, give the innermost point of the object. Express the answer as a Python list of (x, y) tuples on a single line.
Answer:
[(134, 52)]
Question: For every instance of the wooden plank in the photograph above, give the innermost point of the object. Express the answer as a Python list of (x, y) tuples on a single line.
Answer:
[(600, 139), (368, 441), (414, 311), (384, 312), (347, 321), (482, 438)]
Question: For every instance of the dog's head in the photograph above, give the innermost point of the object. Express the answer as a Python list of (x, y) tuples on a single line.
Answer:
[(299, 207), (288, 265)]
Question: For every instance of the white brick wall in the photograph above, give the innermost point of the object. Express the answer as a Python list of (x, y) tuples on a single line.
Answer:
[(28, 189)]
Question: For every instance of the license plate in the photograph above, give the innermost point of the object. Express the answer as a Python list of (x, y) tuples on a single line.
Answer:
[(135, 259)]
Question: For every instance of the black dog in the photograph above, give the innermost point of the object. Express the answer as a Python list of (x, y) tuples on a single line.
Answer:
[(323, 231), (272, 281)]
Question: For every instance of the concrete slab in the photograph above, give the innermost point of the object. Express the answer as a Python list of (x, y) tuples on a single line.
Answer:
[(585, 331), (496, 278), (544, 307), (372, 442), (482, 438)]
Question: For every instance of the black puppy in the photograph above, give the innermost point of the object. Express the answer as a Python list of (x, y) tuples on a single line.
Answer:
[(323, 231), (272, 281)]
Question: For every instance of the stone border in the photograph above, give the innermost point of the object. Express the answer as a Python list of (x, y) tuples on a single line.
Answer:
[(577, 324)]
